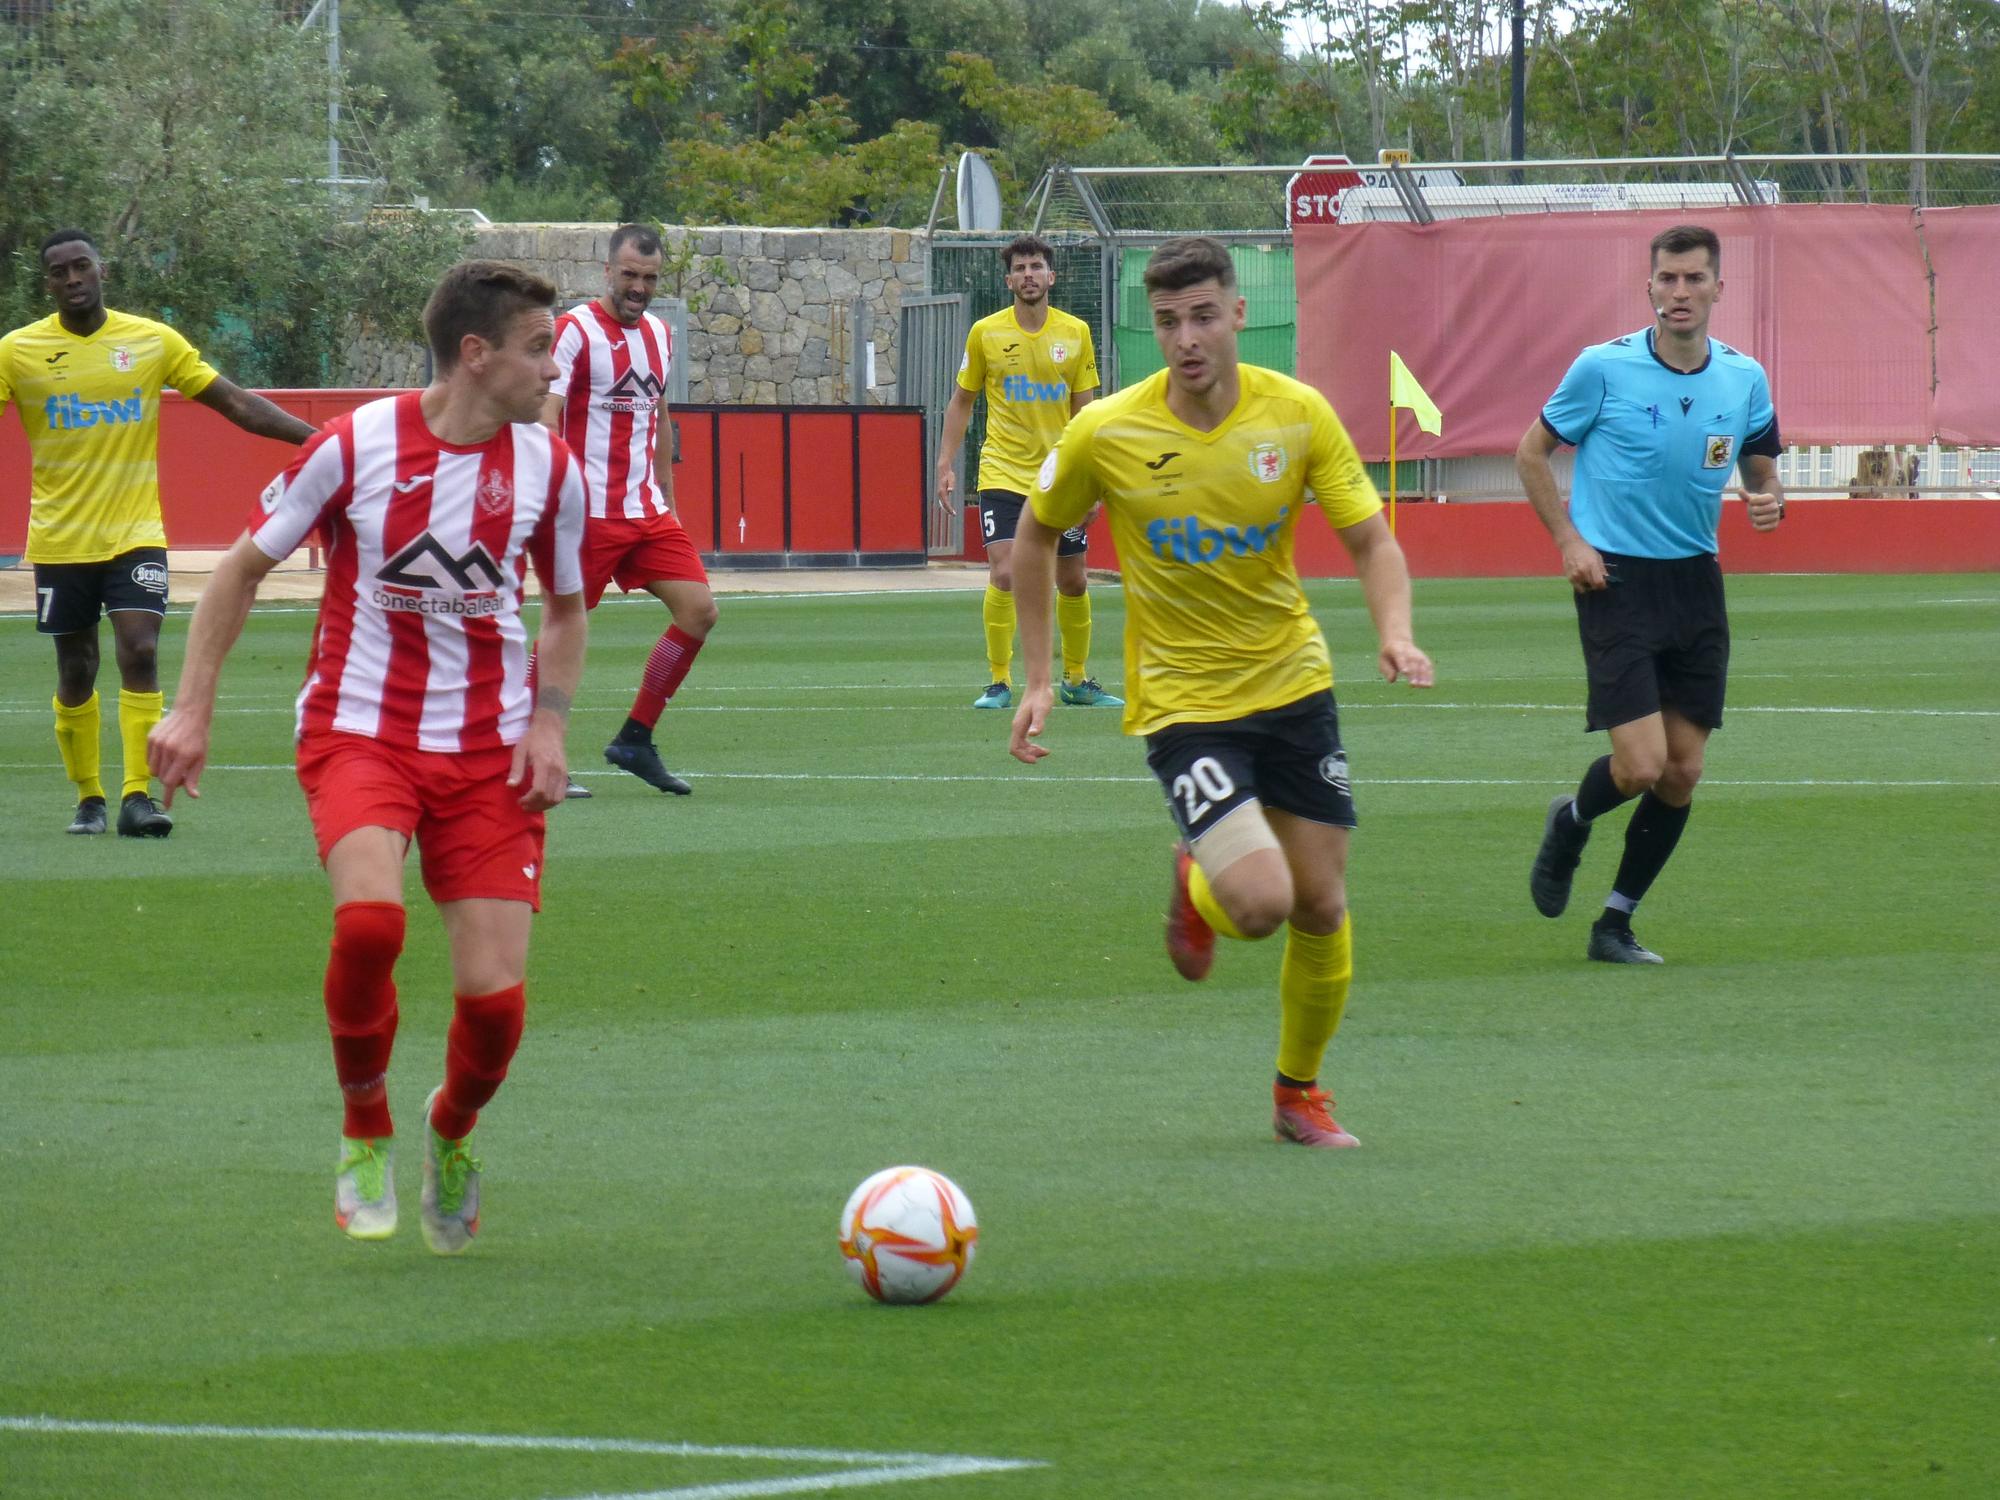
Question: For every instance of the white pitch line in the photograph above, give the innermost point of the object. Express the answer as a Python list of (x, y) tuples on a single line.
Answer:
[(286, 705), (875, 1468), (729, 597), (1058, 779)]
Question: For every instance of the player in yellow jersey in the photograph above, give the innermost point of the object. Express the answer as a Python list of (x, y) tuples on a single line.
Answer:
[(87, 382), (1204, 469), (1038, 369)]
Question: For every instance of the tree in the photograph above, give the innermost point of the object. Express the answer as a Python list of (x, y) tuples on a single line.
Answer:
[(203, 182)]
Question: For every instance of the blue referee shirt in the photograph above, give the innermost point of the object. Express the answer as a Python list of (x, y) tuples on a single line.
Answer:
[(1654, 446)]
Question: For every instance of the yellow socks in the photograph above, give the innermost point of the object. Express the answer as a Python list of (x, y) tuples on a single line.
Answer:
[(137, 714), (1073, 623), (1312, 994), (999, 616), (76, 737), (1202, 894)]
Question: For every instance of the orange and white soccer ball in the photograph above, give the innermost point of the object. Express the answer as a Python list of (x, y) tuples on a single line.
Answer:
[(908, 1234)]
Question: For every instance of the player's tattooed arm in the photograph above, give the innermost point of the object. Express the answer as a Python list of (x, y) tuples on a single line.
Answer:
[(552, 699)]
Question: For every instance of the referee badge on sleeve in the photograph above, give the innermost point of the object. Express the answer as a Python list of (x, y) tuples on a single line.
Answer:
[(1721, 448)]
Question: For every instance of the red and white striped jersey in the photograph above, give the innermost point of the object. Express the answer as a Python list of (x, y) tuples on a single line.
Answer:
[(613, 382), (420, 641)]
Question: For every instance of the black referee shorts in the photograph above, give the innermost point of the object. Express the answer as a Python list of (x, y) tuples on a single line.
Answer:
[(1656, 637)]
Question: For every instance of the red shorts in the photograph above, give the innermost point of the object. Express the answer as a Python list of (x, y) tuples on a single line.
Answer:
[(635, 553), (476, 839)]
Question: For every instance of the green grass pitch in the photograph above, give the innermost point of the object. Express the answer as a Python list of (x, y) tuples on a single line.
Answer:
[(1726, 1228)]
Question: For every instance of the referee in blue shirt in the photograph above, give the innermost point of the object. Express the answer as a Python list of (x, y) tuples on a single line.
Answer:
[(1658, 419)]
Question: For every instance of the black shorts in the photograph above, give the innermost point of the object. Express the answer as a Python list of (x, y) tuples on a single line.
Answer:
[(73, 596), (1000, 513), (1656, 637), (1289, 758)]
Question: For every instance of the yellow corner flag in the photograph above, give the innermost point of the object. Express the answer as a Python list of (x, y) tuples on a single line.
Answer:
[(1404, 391)]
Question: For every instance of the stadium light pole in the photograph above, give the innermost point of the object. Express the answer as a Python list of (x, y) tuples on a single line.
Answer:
[(1519, 101), (332, 10)]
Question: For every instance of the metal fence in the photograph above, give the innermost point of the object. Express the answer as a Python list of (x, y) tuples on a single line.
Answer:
[(1084, 287), (1248, 202), (930, 341), (1118, 214)]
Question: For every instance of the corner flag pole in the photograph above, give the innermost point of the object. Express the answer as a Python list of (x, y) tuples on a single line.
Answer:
[(1392, 467), (1404, 391)]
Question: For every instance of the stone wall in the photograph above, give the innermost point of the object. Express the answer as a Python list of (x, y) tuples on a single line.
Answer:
[(775, 325)]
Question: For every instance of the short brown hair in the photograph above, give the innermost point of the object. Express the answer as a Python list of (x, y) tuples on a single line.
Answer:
[(482, 297), (1025, 245), (638, 236), (1182, 263), (1683, 238)]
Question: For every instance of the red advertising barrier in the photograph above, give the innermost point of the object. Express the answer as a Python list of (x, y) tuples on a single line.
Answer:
[(1876, 324), (757, 486), (1503, 539)]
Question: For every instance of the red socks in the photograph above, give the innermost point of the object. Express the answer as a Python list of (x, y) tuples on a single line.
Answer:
[(361, 1012), (666, 668), (485, 1030)]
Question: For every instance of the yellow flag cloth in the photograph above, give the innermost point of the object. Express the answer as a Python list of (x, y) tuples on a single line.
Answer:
[(1404, 391)]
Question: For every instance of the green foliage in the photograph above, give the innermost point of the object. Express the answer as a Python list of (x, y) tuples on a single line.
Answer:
[(204, 182)]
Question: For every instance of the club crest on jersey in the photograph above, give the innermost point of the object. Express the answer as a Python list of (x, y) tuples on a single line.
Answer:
[(1267, 462), (1721, 448), (1058, 352), (495, 493), (123, 358)]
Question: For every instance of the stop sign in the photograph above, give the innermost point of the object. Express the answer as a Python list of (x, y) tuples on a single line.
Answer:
[(1312, 194)]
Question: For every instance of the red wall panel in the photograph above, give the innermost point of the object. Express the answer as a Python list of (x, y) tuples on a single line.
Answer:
[(892, 482), (822, 481), (211, 470), (694, 478), (1504, 540), (750, 450)]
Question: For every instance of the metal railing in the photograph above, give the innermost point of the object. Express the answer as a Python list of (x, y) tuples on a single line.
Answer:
[(1236, 201)]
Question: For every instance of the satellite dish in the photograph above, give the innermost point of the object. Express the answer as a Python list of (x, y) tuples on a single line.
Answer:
[(978, 194)]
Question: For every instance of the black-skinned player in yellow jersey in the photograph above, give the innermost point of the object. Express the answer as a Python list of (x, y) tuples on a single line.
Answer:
[(1038, 368), (87, 383), (1204, 469)]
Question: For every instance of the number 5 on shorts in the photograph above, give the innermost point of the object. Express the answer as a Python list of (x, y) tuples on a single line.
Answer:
[(1205, 779)]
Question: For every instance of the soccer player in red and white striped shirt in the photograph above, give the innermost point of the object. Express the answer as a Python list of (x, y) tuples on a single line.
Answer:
[(607, 402), (417, 719)]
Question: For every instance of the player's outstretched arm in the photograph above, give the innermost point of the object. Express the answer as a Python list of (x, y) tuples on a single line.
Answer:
[(541, 766), (1385, 586), (1034, 595), (254, 413), (177, 749)]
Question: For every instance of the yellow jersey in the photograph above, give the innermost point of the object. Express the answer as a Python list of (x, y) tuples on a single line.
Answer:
[(91, 408), (1028, 379), (1216, 624)]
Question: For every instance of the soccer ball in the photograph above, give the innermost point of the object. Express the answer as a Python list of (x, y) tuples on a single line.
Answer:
[(907, 1235)]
